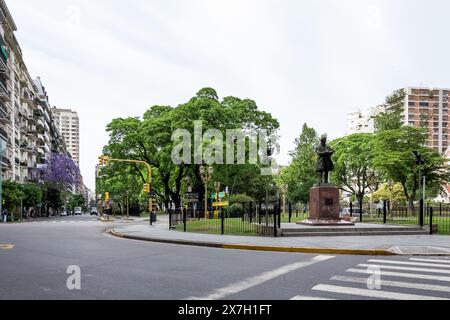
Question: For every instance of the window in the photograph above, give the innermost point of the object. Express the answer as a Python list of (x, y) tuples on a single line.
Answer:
[(424, 104)]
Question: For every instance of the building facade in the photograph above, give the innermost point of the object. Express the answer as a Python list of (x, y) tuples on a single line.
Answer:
[(69, 126), (362, 122), (424, 107), (428, 108), (27, 127)]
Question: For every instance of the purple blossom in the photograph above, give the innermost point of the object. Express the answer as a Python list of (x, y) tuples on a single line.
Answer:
[(62, 170)]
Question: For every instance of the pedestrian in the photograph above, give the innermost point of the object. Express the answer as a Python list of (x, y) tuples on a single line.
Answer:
[(5, 215)]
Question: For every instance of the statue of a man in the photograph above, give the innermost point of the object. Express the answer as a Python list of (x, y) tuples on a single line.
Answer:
[(324, 163)]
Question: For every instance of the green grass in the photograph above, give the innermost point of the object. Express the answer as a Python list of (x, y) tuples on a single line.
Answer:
[(232, 226), (235, 226)]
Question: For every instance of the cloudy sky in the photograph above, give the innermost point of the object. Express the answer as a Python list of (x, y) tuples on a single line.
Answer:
[(303, 61)]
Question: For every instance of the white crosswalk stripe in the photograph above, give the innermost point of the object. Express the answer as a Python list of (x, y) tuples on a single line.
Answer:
[(413, 279), (382, 266), (408, 263), (379, 294), (306, 298), (398, 284), (430, 260), (403, 275)]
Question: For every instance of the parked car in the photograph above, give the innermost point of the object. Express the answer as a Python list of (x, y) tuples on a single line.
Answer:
[(64, 213), (94, 211), (78, 211)]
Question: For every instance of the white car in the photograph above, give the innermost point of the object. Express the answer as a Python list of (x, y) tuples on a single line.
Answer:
[(78, 211), (64, 213)]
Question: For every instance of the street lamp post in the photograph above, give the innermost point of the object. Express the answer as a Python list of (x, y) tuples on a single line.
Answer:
[(206, 175), (420, 161), (284, 189)]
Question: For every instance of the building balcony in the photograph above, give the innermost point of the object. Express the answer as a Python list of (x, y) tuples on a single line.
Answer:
[(4, 134), (5, 94), (5, 163), (40, 138)]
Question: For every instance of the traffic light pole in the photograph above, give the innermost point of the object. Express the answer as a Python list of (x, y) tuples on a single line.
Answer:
[(149, 168)]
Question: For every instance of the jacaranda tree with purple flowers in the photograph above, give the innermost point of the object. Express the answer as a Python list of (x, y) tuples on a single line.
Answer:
[(60, 173), (61, 170)]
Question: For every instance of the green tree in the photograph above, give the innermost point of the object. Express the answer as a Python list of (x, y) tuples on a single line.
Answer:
[(391, 119), (393, 157), (301, 174), (353, 171), (12, 194), (150, 139)]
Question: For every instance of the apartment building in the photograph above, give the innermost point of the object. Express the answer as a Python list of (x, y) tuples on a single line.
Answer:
[(424, 107), (362, 121), (69, 126), (428, 108), (27, 127)]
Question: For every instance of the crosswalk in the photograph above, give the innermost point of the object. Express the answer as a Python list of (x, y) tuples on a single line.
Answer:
[(412, 279), (63, 221)]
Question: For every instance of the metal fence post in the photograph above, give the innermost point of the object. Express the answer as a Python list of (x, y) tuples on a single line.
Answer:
[(290, 212), (275, 225), (431, 220), (384, 212), (279, 212), (223, 222), (251, 211), (259, 211), (421, 213), (360, 212), (440, 209), (184, 219)]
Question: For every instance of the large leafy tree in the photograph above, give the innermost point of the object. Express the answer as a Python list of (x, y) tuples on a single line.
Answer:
[(150, 139), (354, 171), (301, 174), (393, 157), (390, 118)]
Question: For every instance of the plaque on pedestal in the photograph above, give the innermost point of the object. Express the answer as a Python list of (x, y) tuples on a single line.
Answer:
[(324, 207)]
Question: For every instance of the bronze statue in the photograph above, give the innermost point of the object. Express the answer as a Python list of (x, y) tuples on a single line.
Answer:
[(324, 163)]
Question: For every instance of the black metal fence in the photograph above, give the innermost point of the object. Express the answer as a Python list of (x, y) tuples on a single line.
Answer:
[(250, 218), (435, 215)]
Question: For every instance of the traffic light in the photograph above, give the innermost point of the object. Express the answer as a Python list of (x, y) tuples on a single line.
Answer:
[(106, 196), (147, 188), (103, 160)]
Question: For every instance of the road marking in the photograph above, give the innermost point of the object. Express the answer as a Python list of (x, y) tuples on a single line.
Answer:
[(403, 275), (398, 284), (306, 298), (430, 260), (259, 279), (404, 268), (407, 263), (6, 246), (373, 293)]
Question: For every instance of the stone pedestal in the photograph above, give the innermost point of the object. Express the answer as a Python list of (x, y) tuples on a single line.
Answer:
[(324, 207)]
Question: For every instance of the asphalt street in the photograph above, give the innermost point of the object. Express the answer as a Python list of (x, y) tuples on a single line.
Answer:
[(35, 256)]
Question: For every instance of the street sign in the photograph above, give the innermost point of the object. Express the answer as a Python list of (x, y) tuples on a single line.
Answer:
[(221, 204), (192, 197), (221, 195)]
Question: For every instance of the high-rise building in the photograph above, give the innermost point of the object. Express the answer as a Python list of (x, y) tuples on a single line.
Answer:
[(26, 124), (69, 126), (428, 108), (362, 122), (424, 107)]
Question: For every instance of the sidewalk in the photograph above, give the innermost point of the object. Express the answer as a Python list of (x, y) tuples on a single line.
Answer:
[(368, 245)]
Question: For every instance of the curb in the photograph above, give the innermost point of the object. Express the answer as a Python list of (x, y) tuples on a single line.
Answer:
[(257, 248)]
